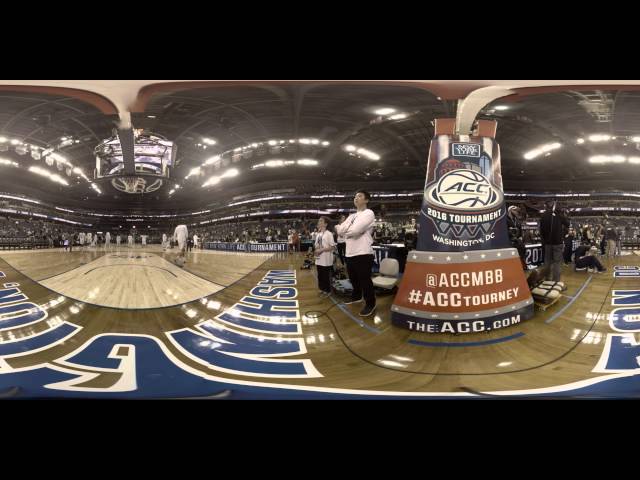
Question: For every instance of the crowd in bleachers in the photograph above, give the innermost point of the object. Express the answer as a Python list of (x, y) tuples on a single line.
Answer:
[(299, 231)]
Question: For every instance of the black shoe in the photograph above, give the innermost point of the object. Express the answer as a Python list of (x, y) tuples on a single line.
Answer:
[(366, 311), (353, 301)]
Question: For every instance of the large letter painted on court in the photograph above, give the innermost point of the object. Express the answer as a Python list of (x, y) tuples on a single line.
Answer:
[(463, 268)]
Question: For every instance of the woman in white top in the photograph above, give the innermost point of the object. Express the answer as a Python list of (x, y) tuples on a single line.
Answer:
[(324, 246)]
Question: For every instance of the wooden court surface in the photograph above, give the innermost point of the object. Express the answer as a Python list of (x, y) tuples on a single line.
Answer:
[(339, 352)]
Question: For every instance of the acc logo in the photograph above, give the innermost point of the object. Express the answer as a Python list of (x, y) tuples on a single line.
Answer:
[(464, 190), (466, 150)]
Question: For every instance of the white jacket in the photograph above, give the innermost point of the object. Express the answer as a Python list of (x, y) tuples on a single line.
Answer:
[(181, 234), (357, 229)]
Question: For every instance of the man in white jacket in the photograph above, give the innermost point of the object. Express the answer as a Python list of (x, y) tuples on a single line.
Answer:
[(357, 229), (180, 236)]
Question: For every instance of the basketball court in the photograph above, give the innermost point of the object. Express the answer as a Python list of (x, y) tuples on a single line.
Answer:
[(242, 319)]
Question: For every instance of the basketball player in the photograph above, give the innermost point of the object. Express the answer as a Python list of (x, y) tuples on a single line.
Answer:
[(357, 229), (81, 239), (195, 241), (180, 236), (107, 241), (130, 241), (144, 240), (118, 240), (88, 239), (164, 241)]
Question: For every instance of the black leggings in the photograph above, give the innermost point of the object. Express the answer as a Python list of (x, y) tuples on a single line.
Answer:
[(324, 278), (341, 251), (359, 269), (589, 261)]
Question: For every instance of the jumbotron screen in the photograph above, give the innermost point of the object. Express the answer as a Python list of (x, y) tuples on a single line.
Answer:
[(153, 155)]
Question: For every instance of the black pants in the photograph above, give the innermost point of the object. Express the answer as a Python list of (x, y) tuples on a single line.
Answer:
[(342, 247), (324, 278), (359, 270), (568, 250), (590, 262)]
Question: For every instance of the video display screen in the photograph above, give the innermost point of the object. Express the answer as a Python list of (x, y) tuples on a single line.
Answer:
[(153, 155)]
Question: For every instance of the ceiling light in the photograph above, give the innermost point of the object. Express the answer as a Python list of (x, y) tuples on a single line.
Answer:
[(581, 141), (193, 171), (501, 107), (212, 160), (385, 111), (274, 163), (366, 153), (273, 142), (232, 172), (607, 159), (635, 139), (307, 162), (599, 138), (211, 181), (542, 149), (325, 143), (350, 148), (398, 116)]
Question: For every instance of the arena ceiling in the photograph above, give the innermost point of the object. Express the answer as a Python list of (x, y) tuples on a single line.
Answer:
[(234, 137)]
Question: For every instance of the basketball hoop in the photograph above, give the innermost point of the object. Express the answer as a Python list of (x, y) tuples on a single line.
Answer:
[(135, 185), (129, 184)]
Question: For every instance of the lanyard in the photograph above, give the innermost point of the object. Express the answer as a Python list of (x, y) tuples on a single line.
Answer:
[(352, 222)]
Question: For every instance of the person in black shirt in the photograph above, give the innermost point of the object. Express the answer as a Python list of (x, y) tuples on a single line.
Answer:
[(568, 246), (552, 231), (584, 258), (514, 225)]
